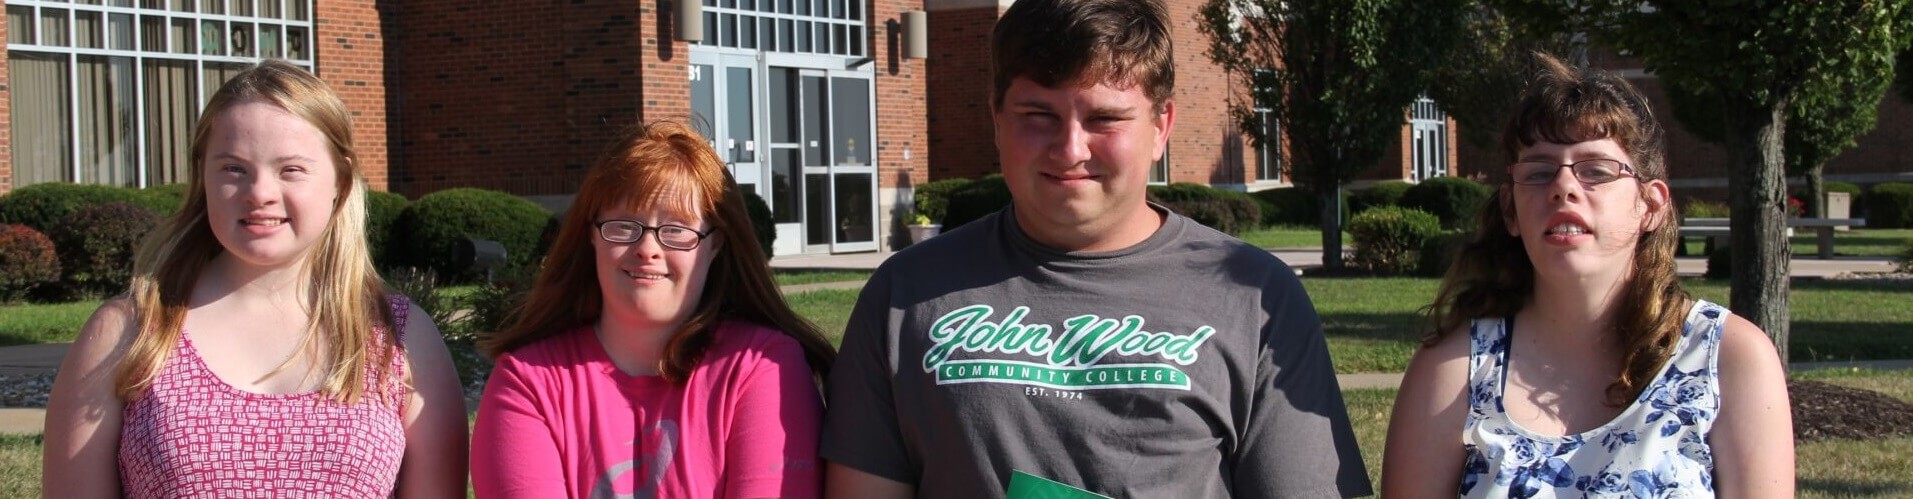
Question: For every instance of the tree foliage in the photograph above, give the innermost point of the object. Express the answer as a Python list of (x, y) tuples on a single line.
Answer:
[(1488, 67), (1337, 74)]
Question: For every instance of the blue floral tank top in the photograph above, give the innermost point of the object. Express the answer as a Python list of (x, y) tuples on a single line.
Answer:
[(1657, 447)]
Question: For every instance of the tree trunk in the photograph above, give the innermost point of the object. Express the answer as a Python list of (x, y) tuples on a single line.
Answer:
[(1816, 191), (1328, 196), (1757, 194)]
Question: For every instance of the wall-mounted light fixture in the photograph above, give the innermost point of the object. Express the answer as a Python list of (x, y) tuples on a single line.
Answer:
[(688, 21), (916, 34)]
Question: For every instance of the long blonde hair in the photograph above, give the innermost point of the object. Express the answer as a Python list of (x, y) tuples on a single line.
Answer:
[(665, 166), (347, 297), (1492, 276)]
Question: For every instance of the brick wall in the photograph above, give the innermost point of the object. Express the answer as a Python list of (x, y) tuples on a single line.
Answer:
[(521, 96), (351, 56), (902, 110), (958, 114)]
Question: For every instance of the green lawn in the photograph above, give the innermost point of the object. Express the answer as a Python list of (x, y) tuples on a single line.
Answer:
[(794, 277), (1287, 237), (1856, 242), (27, 324)]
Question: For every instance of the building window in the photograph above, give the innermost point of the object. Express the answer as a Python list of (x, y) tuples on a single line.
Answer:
[(108, 92), (1430, 128), (1268, 162), (826, 27)]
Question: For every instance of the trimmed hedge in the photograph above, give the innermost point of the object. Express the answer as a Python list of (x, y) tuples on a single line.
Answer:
[(96, 246), (434, 222), (1453, 200), (27, 261), (762, 225), (163, 200), (932, 199), (1386, 193), (1387, 239), (382, 211), (1889, 205), (976, 199), (41, 206), (1227, 211), (1438, 252), (1293, 206)]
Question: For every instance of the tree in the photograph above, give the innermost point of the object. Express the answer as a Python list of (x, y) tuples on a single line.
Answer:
[(1761, 59), (1488, 67), (1337, 74), (1829, 119)]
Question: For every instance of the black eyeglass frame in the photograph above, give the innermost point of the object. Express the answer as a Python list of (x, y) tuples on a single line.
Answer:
[(1625, 171), (655, 235)]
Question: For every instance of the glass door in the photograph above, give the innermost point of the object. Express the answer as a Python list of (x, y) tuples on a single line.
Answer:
[(724, 105)]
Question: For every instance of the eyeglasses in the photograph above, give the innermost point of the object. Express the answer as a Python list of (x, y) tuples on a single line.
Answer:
[(672, 236), (1588, 171)]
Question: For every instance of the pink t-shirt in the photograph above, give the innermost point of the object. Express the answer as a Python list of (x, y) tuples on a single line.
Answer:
[(193, 435), (560, 420)]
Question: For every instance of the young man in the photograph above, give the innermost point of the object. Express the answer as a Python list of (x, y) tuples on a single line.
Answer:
[(1083, 338)]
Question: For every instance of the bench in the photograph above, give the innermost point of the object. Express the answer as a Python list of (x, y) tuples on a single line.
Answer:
[(1715, 229)]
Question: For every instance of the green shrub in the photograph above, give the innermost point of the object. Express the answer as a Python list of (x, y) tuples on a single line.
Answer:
[(1387, 239), (1227, 211), (27, 261), (1289, 206), (762, 225), (1387, 193), (932, 199), (1453, 200), (976, 199), (434, 222), (41, 206), (1701, 208), (1438, 253), (1889, 205), (96, 246), (382, 210), (163, 199)]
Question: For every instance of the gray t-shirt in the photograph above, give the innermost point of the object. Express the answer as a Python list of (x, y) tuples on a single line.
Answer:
[(1190, 365)]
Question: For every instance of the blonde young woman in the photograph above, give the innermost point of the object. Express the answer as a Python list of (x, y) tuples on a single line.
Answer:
[(1566, 360), (258, 354)]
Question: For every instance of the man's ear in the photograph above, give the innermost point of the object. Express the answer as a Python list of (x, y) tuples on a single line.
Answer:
[(1659, 203)]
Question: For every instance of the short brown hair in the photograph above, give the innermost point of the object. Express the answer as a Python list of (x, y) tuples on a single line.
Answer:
[(1065, 42)]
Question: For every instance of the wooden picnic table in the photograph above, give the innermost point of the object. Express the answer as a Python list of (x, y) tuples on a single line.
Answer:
[(1717, 229)]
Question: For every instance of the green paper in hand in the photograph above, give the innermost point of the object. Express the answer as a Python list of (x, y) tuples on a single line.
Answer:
[(1027, 486)]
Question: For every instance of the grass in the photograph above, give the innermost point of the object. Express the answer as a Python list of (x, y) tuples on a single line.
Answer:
[(1823, 469), (829, 309), (1287, 237), (43, 323), (19, 465), (795, 277)]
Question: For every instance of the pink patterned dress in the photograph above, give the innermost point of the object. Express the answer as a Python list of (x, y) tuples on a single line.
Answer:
[(193, 435)]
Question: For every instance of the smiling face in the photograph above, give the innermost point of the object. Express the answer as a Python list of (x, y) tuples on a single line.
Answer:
[(1574, 230), (271, 184), (645, 282), (1077, 160)]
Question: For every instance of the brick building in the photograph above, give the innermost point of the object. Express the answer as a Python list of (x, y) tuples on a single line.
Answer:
[(815, 104)]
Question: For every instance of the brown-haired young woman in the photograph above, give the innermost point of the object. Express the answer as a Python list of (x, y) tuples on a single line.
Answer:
[(1566, 360), (654, 355)]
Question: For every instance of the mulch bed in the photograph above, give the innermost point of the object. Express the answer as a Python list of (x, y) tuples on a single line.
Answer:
[(1823, 411)]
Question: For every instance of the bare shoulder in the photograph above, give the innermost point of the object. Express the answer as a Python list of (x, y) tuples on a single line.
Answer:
[(1744, 346), (1438, 373), (111, 328), (419, 329)]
